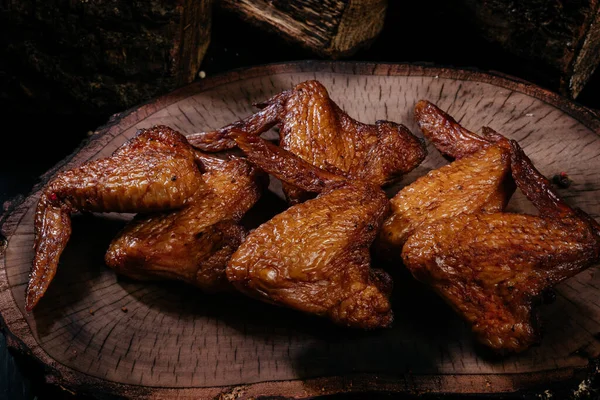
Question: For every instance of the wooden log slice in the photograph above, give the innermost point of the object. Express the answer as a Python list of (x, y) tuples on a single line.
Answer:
[(97, 332), (334, 28)]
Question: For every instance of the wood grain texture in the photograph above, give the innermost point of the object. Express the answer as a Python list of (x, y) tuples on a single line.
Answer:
[(562, 36), (106, 54), (175, 341), (332, 28)]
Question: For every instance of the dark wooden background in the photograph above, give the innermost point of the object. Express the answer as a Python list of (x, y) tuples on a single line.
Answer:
[(419, 32)]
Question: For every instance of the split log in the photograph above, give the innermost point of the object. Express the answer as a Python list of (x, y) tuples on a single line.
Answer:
[(563, 37), (106, 54), (97, 332), (334, 28)]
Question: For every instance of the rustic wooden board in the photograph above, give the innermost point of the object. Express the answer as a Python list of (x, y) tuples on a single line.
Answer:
[(175, 341)]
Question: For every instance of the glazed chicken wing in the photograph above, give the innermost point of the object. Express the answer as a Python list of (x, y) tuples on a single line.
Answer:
[(192, 244), (314, 257), (154, 171), (315, 129), (448, 136), (478, 181), (492, 268)]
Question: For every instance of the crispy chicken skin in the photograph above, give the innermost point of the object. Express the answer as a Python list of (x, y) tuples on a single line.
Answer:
[(315, 129), (478, 181), (492, 268), (192, 244), (154, 171), (448, 136), (314, 257)]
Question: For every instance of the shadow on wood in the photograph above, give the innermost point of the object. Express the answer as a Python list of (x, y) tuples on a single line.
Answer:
[(169, 339), (76, 278)]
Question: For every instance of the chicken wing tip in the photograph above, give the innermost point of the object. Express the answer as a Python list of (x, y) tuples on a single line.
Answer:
[(31, 300), (36, 287), (422, 105)]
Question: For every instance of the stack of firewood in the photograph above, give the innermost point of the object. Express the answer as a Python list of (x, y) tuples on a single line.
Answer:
[(122, 53)]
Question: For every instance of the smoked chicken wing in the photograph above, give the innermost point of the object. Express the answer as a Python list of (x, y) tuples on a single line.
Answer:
[(315, 129), (478, 181), (314, 257), (192, 244), (154, 171), (492, 268)]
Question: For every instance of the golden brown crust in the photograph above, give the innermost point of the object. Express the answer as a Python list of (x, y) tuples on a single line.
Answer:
[(52, 232), (314, 257), (315, 129), (489, 266), (492, 268), (535, 186), (260, 122), (192, 244), (154, 171), (284, 165), (479, 182), (448, 136)]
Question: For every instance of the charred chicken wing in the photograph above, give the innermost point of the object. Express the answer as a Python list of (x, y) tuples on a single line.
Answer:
[(315, 129), (478, 181), (192, 244), (492, 268), (314, 257), (154, 171)]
